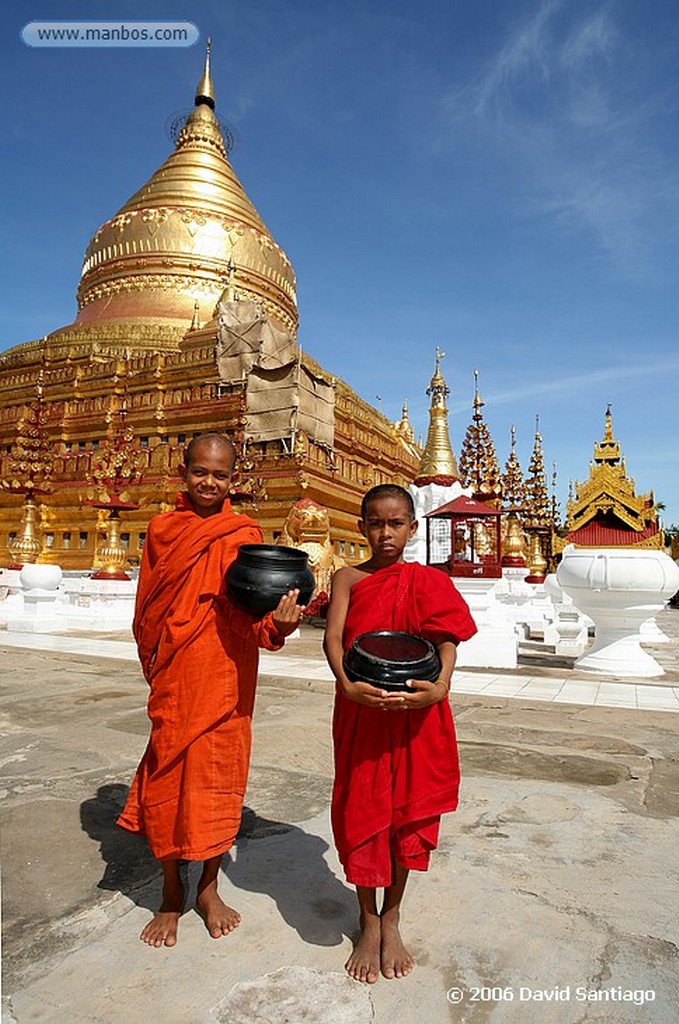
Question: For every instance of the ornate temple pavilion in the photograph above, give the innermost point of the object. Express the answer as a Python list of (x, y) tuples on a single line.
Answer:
[(605, 511), (187, 322)]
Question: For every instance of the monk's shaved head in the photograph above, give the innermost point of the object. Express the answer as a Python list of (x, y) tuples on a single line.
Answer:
[(212, 440), (387, 491)]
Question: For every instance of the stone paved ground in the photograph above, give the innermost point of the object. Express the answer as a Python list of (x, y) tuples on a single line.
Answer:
[(557, 876)]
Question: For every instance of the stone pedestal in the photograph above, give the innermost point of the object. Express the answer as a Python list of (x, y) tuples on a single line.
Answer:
[(11, 597), (495, 644), (39, 611), (651, 633), (567, 632), (515, 597), (619, 589), (99, 605)]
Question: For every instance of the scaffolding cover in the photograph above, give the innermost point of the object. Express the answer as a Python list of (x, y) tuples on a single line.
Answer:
[(282, 395)]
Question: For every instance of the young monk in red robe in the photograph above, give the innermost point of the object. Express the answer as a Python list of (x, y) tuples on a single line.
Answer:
[(396, 765), (199, 655)]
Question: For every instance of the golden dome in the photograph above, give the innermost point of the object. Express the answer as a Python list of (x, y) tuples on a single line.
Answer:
[(172, 243)]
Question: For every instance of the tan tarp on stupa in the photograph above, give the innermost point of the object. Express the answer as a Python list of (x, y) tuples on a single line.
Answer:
[(282, 395)]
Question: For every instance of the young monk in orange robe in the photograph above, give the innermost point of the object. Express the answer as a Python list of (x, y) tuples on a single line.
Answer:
[(199, 654), (396, 764)]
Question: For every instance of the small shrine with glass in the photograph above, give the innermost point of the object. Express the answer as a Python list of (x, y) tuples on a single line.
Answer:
[(463, 537)]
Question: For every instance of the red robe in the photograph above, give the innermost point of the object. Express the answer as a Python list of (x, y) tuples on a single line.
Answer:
[(395, 773), (199, 654)]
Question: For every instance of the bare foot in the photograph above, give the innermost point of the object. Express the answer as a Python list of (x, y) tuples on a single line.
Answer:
[(396, 961), (162, 930), (219, 919), (364, 962)]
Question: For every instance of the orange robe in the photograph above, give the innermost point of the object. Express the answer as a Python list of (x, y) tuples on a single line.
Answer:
[(199, 654), (395, 773)]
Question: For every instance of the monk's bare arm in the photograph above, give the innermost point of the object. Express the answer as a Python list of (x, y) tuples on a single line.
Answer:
[(334, 627), (361, 692), (447, 652)]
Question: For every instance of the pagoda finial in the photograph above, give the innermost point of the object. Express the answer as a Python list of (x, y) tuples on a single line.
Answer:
[(438, 459), (513, 486), (608, 449), (538, 510), (403, 427), (478, 463), (478, 401), (438, 389), (205, 92)]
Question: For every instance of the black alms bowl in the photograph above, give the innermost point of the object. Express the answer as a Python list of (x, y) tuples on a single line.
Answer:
[(389, 658), (263, 573)]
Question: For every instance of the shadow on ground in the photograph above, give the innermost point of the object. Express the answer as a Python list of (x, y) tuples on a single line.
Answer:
[(272, 857), (129, 865), (290, 868)]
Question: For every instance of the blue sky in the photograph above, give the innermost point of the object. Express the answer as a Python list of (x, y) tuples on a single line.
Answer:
[(497, 178)]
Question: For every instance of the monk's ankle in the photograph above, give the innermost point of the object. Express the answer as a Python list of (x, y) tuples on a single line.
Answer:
[(173, 896)]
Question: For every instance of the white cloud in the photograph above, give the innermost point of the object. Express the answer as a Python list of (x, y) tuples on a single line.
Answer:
[(562, 109), (592, 38), (576, 384)]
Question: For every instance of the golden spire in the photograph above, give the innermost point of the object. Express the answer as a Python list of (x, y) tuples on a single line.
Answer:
[(513, 486), (478, 462), (403, 427), (172, 241), (478, 402), (438, 459), (538, 510), (205, 92), (608, 449)]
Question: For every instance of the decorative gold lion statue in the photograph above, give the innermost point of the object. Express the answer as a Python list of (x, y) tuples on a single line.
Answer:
[(308, 527)]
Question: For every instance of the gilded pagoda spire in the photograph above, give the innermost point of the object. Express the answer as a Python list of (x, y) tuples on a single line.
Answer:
[(403, 426), (171, 243), (478, 462), (205, 92), (556, 507), (538, 506), (513, 485), (31, 466), (438, 460), (608, 449)]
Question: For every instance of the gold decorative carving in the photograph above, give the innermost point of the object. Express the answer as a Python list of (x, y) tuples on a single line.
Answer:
[(308, 527), (610, 492), (26, 546)]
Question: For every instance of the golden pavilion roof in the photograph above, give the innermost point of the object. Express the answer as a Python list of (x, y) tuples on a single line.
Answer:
[(438, 460), (609, 494), (172, 243)]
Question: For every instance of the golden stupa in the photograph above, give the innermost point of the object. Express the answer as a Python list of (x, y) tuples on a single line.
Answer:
[(187, 321), (172, 244), (437, 464)]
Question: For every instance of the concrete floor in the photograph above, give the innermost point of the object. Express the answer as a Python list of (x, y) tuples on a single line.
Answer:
[(552, 896)]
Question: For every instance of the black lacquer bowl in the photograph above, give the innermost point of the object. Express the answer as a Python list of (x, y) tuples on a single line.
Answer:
[(388, 659), (263, 573)]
